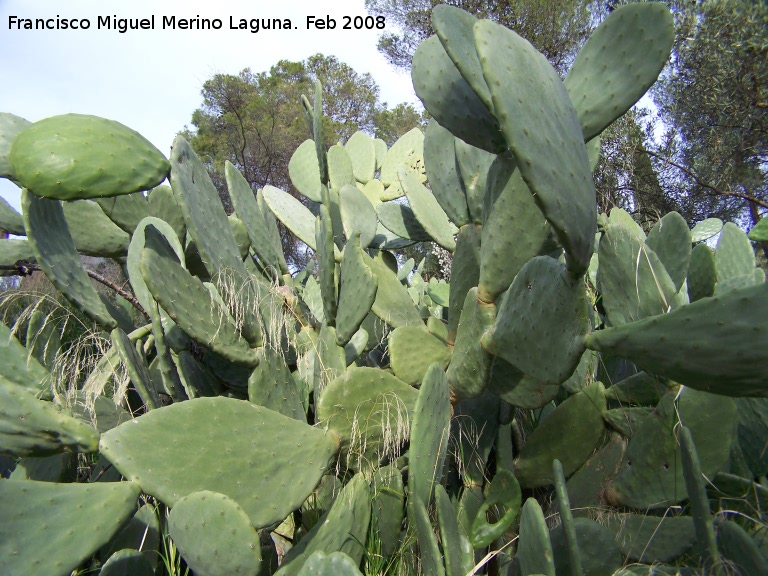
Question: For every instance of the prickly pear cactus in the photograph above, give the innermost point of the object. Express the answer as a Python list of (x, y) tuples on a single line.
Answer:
[(357, 414)]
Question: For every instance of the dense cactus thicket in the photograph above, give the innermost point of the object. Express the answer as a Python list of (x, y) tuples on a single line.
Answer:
[(581, 399)]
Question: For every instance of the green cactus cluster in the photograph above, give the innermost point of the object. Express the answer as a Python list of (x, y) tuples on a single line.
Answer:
[(581, 398)]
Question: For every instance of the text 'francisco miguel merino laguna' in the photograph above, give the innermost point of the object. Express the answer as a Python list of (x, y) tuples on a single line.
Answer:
[(122, 25)]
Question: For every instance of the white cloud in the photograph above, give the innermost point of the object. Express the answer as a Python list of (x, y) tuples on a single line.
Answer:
[(150, 80)]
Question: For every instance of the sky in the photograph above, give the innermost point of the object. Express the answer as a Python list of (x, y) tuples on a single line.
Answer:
[(150, 80)]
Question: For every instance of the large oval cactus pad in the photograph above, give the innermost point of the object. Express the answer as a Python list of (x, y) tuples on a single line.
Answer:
[(650, 474), (304, 171), (206, 443), (50, 529), (545, 136), (413, 350), (362, 152), (712, 350), (80, 156), (620, 61)]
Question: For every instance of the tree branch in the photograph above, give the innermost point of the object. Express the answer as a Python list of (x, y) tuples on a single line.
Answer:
[(25, 269), (701, 182)]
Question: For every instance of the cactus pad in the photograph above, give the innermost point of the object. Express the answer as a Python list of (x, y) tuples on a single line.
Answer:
[(545, 136), (271, 385), (55, 251), (371, 411), (334, 564), (412, 351), (357, 213), (127, 562), (443, 172), (388, 506), (451, 100), (362, 153), (326, 265), (570, 434), (214, 535), (670, 239), (470, 366), (650, 474), (127, 210), (163, 205), (340, 172), (78, 156), (137, 369), (305, 171), (10, 126), (597, 548), (207, 443), (619, 62), (534, 548), (296, 217), (734, 255), (473, 166), (706, 229), (711, 352), (429, 434), (400, 220), (13, 251), (10, 220), (32, 427), (192, 307), (357, 291), (342, 529), (50, 529), (207, 223), (514, 229), (138, 241), (702, 273), (652, 539), (429, 550), (17, 366), (759, 232), (454, 29), (541, 322), (392, 303), (631, 277)]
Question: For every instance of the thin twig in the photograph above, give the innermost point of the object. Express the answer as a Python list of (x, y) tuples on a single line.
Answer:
[(26, 268), (701, 182)]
